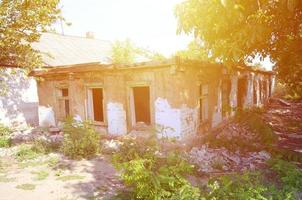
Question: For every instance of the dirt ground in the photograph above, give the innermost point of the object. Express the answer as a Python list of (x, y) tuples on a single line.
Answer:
[(53, 177)]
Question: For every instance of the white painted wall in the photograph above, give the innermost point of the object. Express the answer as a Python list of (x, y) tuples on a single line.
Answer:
[(167, 119), (19, 104), (46, 116), (116, 117)]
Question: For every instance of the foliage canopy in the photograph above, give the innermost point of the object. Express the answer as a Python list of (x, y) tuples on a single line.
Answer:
[(126, 52), (21, 23), (236, 31)]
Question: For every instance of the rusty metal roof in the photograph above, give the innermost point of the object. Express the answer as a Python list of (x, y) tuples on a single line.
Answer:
[(61, 50)]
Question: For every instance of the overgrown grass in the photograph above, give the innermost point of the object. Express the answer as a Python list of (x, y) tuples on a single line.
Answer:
[(283, 180), (25, 152), (45, 147), (70, 177), (51, 162), (40, 175), (26, 186), (5, 179), (5, 140)]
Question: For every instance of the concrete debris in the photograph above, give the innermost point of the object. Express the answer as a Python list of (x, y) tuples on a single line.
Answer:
[(233, 130), (53, 135), (111, 146), (54, 130), (280, 101), (210, 160), (286, 122)]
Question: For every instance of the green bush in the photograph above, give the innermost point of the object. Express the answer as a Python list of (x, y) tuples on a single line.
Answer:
[(282, 181), (44, 146), (152, 175), (80, 139), (157, 179), (4, 130), (26, 152), (133, 148), (289, 174), (237, 187), (5, 140)]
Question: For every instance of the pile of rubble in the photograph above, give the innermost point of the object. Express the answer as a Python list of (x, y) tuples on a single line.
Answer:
[(210, 160), (232, 130), (52, 135)]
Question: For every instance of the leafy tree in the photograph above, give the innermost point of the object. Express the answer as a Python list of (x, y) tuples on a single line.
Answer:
[(195, 51), (237, 31), (126, 52), (21, 23)]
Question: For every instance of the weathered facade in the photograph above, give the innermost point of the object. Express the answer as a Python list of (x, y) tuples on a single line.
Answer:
[(178, 98), (18, 99)]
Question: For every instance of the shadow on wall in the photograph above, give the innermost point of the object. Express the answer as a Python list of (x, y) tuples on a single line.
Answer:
[(18, 98)]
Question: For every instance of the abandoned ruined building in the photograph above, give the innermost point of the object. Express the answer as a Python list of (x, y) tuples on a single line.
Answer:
[(178, 97)]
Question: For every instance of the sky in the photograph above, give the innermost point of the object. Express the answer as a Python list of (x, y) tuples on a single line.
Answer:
[(149, 24)]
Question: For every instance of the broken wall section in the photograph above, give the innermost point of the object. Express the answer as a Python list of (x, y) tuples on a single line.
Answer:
[(175, 122)]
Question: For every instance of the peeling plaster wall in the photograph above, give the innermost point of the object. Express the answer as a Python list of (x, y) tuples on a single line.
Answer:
[(249, 94), (174, 122), (174, 97), (116, 119), (233, 94), (77, 96), (217, 114), (188, 121), (167, 119), (46, 93)]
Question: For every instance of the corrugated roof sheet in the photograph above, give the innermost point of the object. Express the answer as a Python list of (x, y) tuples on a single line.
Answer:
[(61, 50)]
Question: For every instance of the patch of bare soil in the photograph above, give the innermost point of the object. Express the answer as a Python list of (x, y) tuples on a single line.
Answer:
[(54, 177)]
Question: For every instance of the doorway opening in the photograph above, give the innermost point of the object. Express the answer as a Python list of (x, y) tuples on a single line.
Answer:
[(95, 104), (141, 105)]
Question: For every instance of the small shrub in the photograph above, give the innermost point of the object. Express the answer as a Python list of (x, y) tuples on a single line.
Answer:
[(132, 148), (4, 130), (159, 178), (290, 175), (5, 179), (70, 177), (44, 146), (25, 152), (26, 186), (236, 186), (80, 140), (151, 174), (40, 175), (5, 140), (257, 185)]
